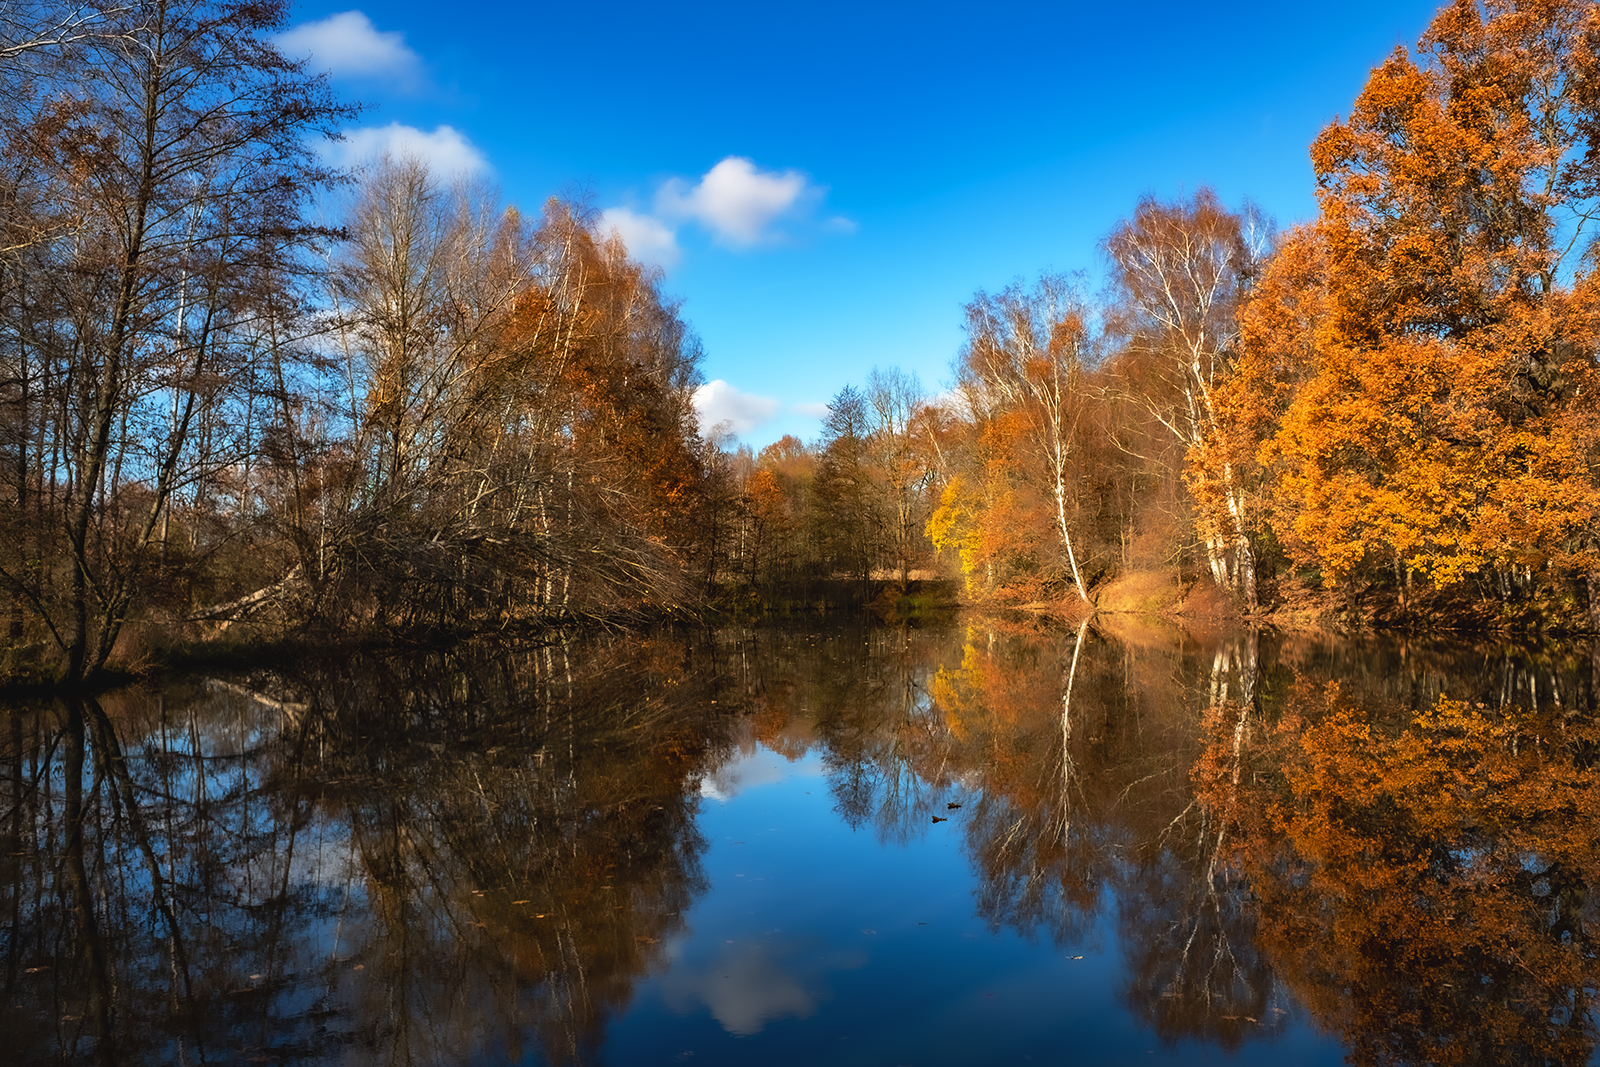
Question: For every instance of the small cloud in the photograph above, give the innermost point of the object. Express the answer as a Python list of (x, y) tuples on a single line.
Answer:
[(349, 45), (718, 402), (446, 150), (649, 240), (736, 201), (751, 984), (748, 770), (739, 204)]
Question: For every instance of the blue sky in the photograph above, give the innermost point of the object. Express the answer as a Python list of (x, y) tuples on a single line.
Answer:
[(826, 185)]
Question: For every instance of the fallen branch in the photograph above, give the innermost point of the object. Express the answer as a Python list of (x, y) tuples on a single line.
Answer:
[(234, 610)]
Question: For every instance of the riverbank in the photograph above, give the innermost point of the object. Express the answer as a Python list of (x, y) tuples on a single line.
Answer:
[(1294, 605)]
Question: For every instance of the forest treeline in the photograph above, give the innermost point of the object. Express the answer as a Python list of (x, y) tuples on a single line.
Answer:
[(238, 385), (1392, 407)]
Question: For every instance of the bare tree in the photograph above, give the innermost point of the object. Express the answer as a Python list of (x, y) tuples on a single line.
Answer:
[(175, 146), (895, 400)]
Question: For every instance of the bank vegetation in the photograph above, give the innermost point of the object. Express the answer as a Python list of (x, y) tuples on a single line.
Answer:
[(221, 412)]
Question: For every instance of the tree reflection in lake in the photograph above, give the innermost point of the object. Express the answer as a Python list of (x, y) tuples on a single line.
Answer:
[(1423, 872), (478, 855), (412, 861)]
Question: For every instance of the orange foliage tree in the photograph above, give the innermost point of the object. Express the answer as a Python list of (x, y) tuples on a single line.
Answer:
[(1429, 340)]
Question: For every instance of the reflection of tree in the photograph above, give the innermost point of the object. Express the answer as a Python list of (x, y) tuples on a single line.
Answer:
[(1080, 741), (865, 699), (256, 876), (434, 858), (1423, 881), (1197, 971)]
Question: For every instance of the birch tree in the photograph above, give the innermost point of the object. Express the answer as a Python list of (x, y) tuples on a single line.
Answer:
[(1182, 269), (1022, 374)]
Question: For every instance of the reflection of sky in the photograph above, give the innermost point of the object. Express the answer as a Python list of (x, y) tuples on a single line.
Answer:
[(748, 985), (815, 943), (755, 765)]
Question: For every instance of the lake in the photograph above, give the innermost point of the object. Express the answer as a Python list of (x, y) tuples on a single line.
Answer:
[(988, 842)]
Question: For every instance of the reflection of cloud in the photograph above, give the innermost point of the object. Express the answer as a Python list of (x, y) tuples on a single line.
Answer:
[(349, 44), (717, 401), (648, 239), (445, 150), (757, 766), (750, 985)]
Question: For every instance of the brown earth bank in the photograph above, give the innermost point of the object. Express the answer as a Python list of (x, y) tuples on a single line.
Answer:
[(1293, 604)]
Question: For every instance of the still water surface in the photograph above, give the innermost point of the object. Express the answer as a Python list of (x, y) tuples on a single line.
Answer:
[(991, 843)]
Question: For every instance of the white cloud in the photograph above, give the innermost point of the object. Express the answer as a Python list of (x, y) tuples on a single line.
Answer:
[(717, 401), (739, 204), (446, 150), (348, 44), (649, 240), (735, 201)]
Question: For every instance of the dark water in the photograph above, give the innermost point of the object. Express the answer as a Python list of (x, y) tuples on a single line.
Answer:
[(1152, 847)]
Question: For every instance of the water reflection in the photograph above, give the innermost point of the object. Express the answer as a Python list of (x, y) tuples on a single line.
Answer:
[(411, 861), (1423, 876), (479, 856)]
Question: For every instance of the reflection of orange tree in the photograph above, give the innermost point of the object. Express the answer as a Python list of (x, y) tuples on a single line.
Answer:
[(1421, 885)]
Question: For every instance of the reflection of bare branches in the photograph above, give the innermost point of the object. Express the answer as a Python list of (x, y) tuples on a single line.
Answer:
[(1198, 971), (251, 852)]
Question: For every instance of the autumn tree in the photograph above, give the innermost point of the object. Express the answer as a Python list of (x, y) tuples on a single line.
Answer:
[(1022, 378), (779, 498), (519, 409), (173, 155), (1436, 325)]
